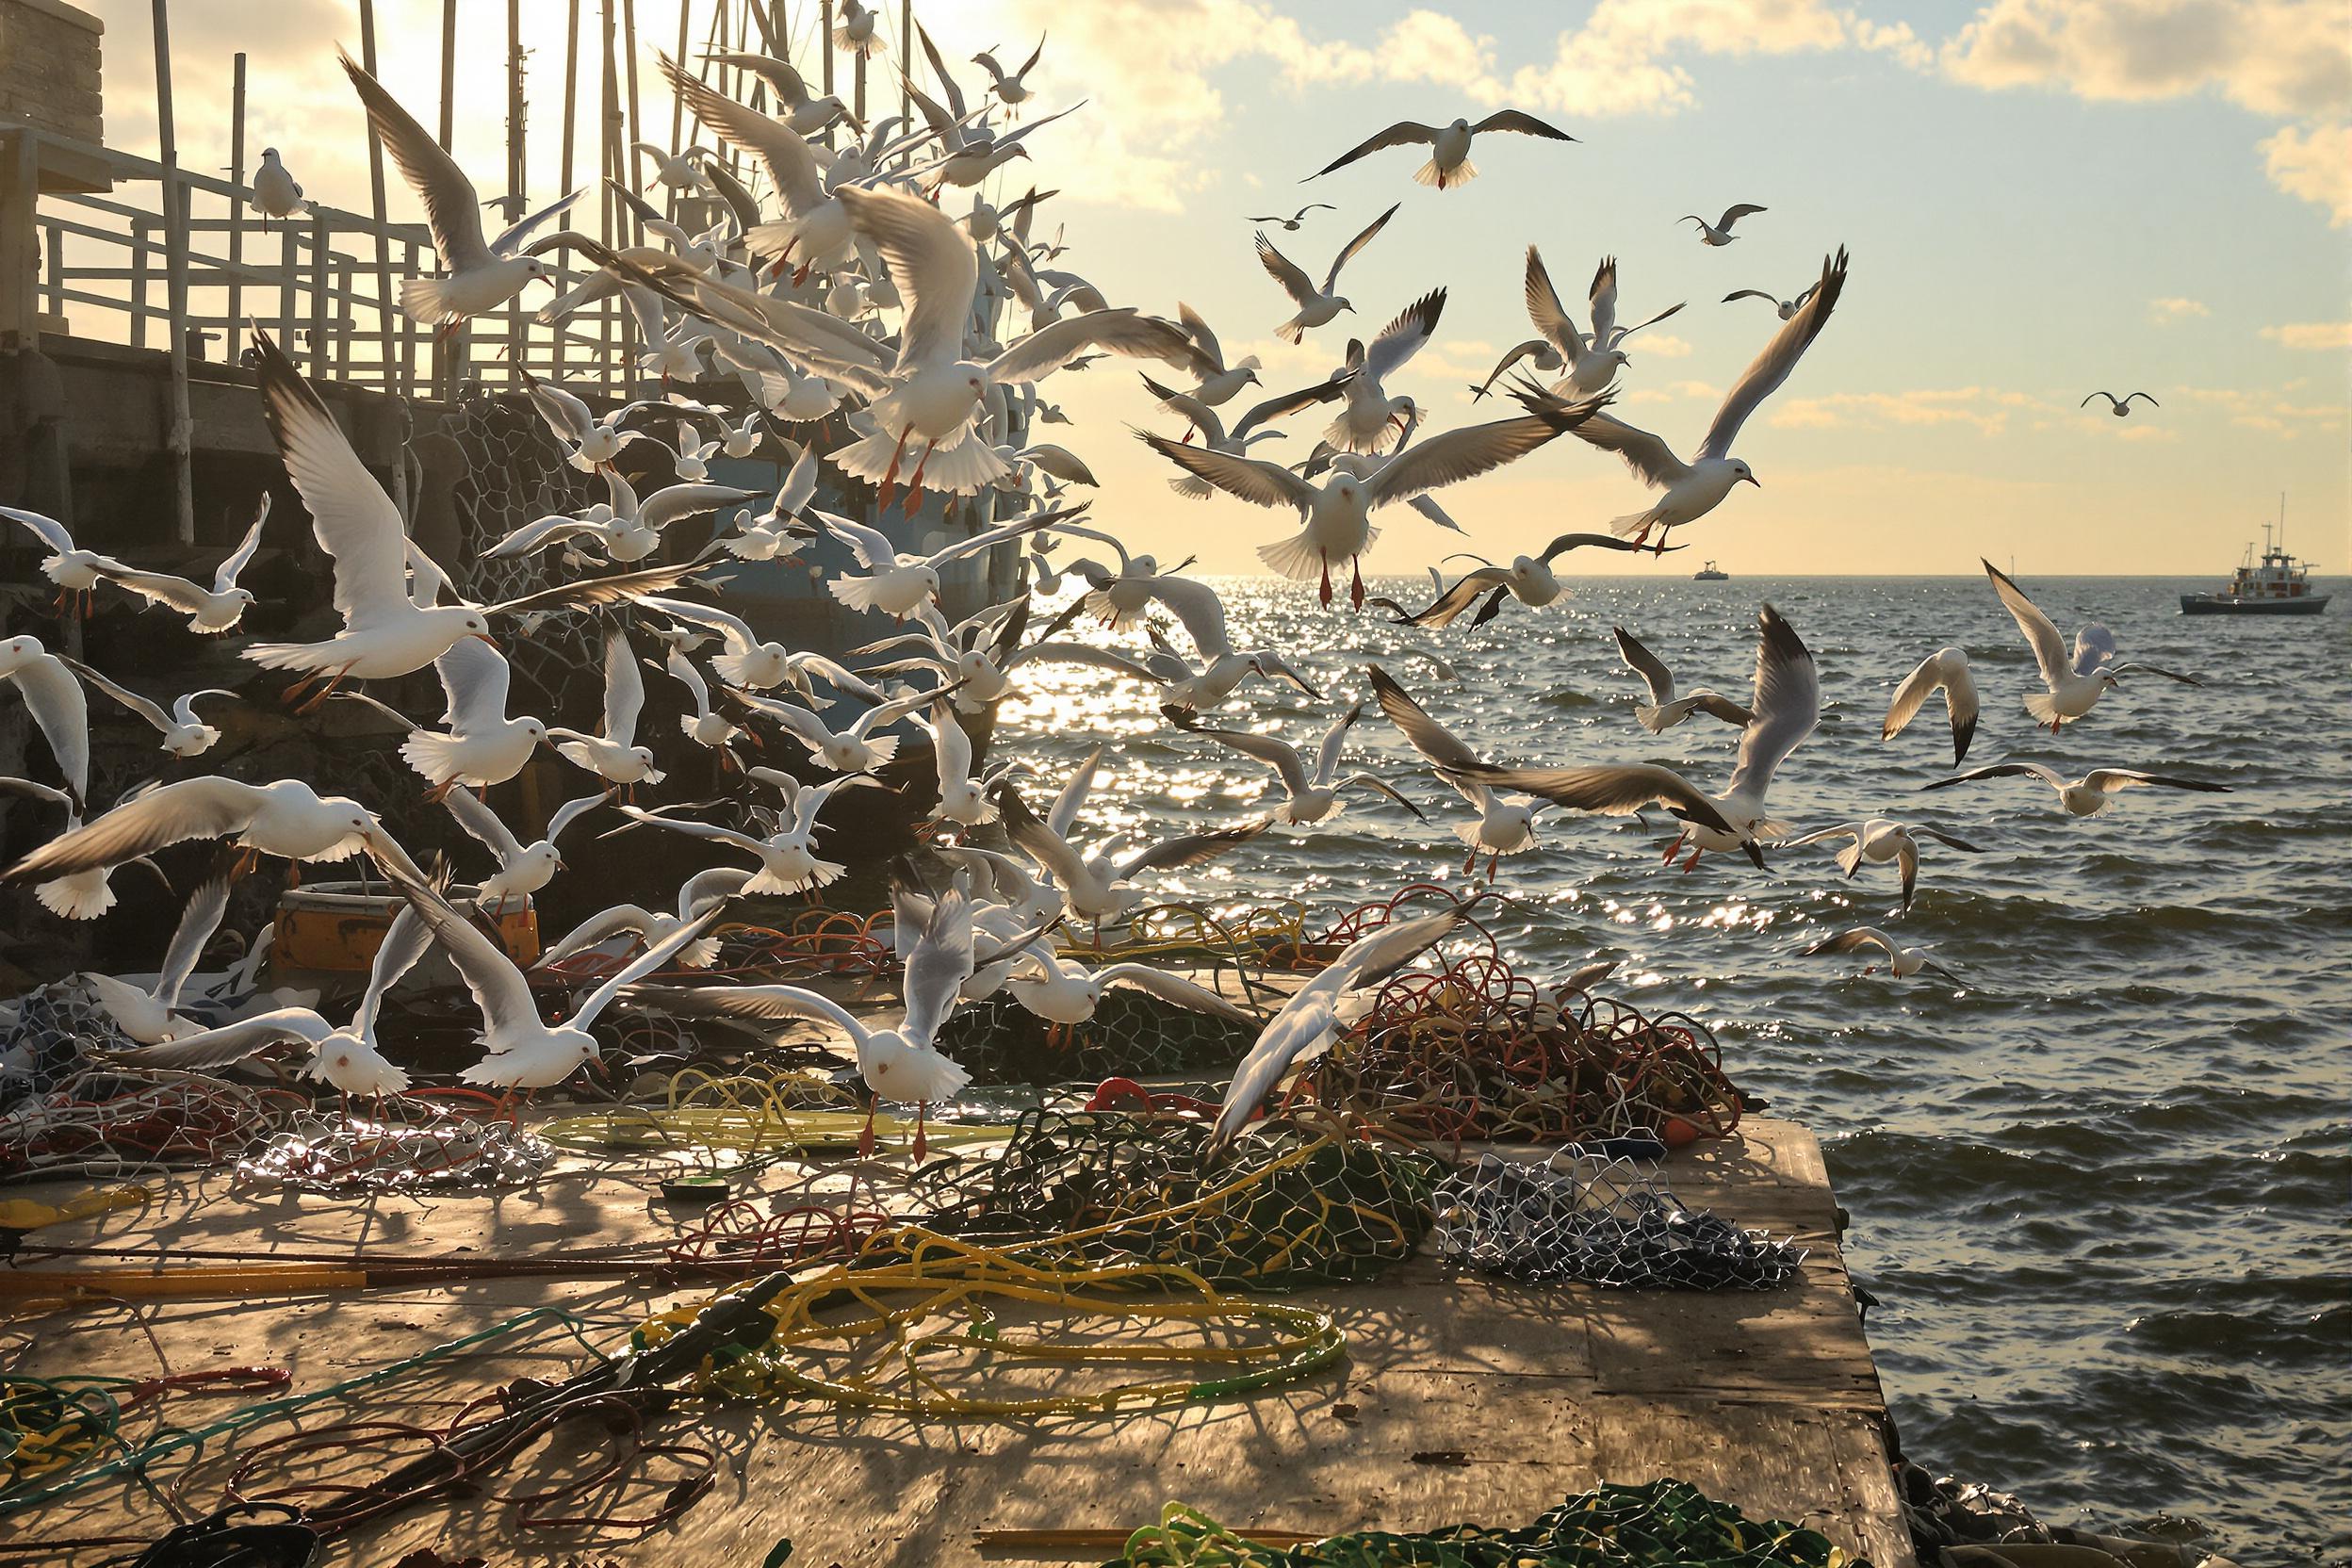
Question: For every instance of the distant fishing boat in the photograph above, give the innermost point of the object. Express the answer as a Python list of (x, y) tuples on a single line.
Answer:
[(2278, 584), (1708, 574)]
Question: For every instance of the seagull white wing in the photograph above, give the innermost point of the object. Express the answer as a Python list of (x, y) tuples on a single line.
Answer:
[(1202, 610), (207, 807), (694, 828), (1544, 310), (1072, 799), (1788, 703), (50, 531), (1334, 739), (1348, 253), (1946, 670), (1285, 271), (452, 210), (871, 546), (2049, 776), (2049, 648), (159, 588), (1648, 666), (474, 678), (1123, 332), (1652, 461), (2108, 780), (737, 635), (638, 968), (1185, 993), (1403, 133), (2094, 646), (937, 966), (224, 576), (1272, 750), (214, 1049), (1258, 483), (951, 748), (1772, 367), (791, 166), (145, 707), (676, 503), (1521, 122), (355, 522), (198, 921), (1469, 451), (1403, 337), (1854, 941), (497, 986), (482, 825), (931, 262)]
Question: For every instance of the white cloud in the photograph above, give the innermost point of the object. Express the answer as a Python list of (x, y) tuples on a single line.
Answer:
[(2315, 163), (2311, 334), (1619, 61), (2278, 58), (2164, 312), (1663, 345), (1988, 410)]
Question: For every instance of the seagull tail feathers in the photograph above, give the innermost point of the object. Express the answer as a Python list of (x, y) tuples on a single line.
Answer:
[(432, 755), (1446, 179), (1295, 558), (427, 300), (84, 895)]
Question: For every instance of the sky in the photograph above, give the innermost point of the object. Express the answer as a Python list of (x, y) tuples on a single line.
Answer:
[(2042, 198)]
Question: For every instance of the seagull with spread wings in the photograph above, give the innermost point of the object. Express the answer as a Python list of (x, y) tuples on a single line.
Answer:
[(1506, 823), (1529, 578), (1718, 232), (1309, 794), (184, 732), (1784, 308), (1879, 839), (2075, 685), (2088, 795), (209, 611), (1695, 488), (1316, 306), (477, 274), (1449, 162), (1591, 359), (1096, 887), (1902, 962), (1337, 513), (523, 869), (2120, 407), (613, 753), (1946, 670), (1665, 709)]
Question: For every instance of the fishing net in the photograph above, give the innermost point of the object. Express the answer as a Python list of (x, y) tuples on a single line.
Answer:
[(408, 1146), (54, 1029), (1296, 1207), (1665, 1522), (104, 1120), (1133, 1034), (1475, 1052), (1601, 1222), (927, 1325)]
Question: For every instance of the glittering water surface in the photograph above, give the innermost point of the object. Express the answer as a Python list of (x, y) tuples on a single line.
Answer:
[(2101, 1192)]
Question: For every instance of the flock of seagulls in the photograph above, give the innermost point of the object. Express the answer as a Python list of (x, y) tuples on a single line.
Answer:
[(875, 333)]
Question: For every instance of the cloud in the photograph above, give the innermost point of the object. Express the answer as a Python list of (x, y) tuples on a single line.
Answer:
[(1988, 410), (2285, 58), (1664, 345), (1620, 61), (2316, 163), (2164, 312), (2263, 411), (2311, 334)]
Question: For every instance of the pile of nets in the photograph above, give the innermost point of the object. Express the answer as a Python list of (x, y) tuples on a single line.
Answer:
[(103, 1120), (413, 1146), (1665, 1522), (1475, 1052), (1296, 1207), (1131, 1034), (1601, 1222), (48, 1036)]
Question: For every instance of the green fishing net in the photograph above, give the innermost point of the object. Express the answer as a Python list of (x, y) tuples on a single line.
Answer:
[(1292, 1208), (1131, 1034), (1666, 1522)]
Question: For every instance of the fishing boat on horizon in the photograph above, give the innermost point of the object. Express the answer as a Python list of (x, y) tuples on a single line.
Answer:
[(2277, 584), (1708, 573)]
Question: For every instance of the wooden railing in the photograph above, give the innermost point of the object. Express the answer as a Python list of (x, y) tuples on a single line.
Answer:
[(325, 284)]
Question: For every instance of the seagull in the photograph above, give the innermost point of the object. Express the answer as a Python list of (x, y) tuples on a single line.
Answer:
[(896, 585), (706, 728), (1537, 351), (1369, 420), (523, 869), (702, 893), (287, 818), (1067, 994), (1944, 670), (1226, 380), (1786, 706), (521, 1051), (593, 443), (78, 896), (1308, 796), (2122, 408), (1696, 488), (1592, 359), (478, 276), (1506, 823), (275, 192), (1786, 307), (2075, 687), (1189, 688), (856, 749), (1316, 306), (1292, 222), (1094, 887), (385, 632), (55, 700), (1337, 513), (1311, 1020), (788, 859), (961, 797), (748, 660), (74, 570), (807, 113), (1204, 421), (184, 734), (1878, 841), (1665, 709), (613, 754), (1718, 232), (2088, 795), (678, 171), (481, 746), (1449, 145), (209, 611), (852, 33), (151, 1015), (633, 528), (816, 224), (1010, 89), (1529, 578), (1902, 962)]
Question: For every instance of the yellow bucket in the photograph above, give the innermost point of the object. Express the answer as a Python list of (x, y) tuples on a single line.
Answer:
[(336, 927)]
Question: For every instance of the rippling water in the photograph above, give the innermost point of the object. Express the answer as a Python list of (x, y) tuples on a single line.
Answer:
[(2100, 1193)]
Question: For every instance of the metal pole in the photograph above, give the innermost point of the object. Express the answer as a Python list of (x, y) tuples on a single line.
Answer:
[(387, 318), (518, 173), (610, 165), (634, 131), (448, 70), (571, 123), (905, 57), (825, 43), (176, 437), (678, 103), (234, 331)]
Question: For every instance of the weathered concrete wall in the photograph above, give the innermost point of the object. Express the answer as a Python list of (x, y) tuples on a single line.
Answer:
[(50, 76)]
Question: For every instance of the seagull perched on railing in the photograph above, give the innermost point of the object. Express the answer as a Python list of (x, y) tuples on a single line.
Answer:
[(479, 275)]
